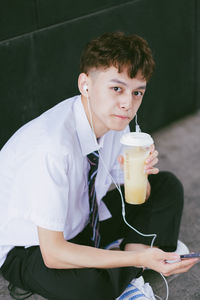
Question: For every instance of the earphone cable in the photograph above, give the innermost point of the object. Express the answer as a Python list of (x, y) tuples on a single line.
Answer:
[(154, 235)]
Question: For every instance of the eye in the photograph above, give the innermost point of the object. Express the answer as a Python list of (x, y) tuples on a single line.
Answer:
[(138, 93), (117, 89)]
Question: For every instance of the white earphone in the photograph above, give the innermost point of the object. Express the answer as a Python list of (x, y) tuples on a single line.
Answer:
[(85, 87)]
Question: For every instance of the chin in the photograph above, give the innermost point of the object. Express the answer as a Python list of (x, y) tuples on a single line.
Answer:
[(117, 125), (118, 128)]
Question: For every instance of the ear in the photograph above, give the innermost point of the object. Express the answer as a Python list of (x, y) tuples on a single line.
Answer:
[(83, 84)]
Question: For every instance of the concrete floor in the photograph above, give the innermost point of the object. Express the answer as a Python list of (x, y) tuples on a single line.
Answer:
[(179, 148)]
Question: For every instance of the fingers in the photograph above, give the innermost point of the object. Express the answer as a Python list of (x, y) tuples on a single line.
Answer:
[(151, 161), (151, 170), (152, 157), (179, 267), (156, 259)]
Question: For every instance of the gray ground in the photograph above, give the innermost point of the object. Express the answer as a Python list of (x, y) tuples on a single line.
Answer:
[(179, 148)]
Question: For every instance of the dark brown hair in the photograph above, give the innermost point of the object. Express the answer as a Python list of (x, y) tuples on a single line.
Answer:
[(121, 51)]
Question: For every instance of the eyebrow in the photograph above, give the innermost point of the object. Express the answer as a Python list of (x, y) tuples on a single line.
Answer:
[(143, 87)]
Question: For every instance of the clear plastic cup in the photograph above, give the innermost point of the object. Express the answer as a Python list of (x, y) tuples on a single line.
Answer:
[(136, 150)]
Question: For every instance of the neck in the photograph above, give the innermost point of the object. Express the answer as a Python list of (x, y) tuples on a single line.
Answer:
[(99, 131)]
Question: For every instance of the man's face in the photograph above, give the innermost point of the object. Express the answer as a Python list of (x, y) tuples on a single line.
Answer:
[(114, 98)]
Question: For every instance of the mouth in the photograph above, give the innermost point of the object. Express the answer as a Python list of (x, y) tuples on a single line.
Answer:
[(122, 117)]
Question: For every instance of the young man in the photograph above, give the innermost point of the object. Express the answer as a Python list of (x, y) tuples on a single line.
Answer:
[(52, 235)]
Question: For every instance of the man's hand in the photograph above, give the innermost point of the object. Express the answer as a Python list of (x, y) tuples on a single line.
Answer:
[(151, 161), (155, 259), (149, 167)]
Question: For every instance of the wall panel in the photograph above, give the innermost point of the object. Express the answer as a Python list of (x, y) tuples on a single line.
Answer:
[(52, 12), (16, 81), (42, 42), (16, 18)]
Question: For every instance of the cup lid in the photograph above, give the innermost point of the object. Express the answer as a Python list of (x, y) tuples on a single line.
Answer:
[(136, 139)]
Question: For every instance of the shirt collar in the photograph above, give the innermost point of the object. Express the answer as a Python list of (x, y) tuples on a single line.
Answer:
[(85, 134)]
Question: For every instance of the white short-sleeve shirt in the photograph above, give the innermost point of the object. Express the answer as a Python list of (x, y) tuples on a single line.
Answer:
[(43, 175)]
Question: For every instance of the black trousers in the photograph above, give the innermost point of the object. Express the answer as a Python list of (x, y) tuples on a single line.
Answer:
[(161, 214)]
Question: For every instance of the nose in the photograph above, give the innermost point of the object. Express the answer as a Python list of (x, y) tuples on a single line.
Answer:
[(126, 102)]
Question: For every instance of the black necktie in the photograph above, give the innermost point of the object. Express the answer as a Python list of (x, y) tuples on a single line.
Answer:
[(93, 159)]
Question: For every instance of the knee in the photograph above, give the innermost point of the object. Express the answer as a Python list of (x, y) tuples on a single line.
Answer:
[(167, 188), (172, 181), (173, 187)]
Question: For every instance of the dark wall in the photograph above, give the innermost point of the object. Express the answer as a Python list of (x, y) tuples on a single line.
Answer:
[(41, 41)]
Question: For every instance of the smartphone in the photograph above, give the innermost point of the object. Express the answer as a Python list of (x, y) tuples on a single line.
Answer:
[(190, 255)]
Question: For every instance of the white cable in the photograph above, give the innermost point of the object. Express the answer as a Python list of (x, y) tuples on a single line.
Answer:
[(159, 298), (91, 121), (166, 284), (154, 235), (117, 186), (137, 127)]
